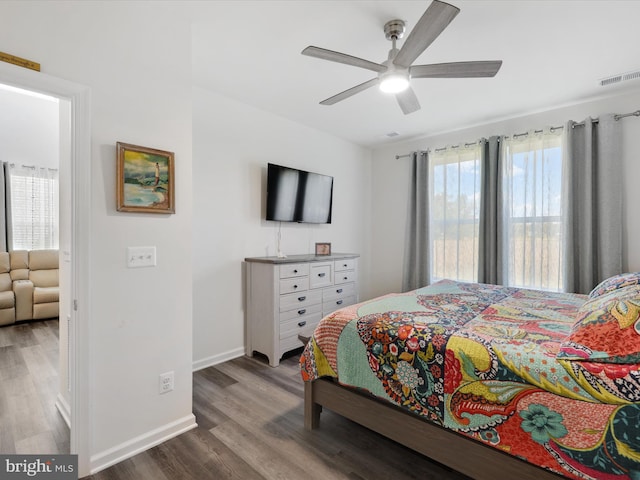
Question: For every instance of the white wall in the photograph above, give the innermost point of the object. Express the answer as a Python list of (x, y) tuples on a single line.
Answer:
[(29, 133), (135, 57), (391, 179), (232, 144)]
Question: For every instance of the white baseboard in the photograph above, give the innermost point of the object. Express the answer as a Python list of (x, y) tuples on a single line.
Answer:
[(216, 359), (65, 410), (141, 443)]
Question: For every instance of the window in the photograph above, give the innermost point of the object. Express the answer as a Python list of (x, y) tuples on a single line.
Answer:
[(33, 222), (532, 196), (455, 210), (531, 212)]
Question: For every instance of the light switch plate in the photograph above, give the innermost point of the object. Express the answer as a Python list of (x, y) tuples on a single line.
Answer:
[(141, 257)]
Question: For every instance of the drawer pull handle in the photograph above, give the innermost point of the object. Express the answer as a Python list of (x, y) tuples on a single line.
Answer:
[(345, 278), (339, 302), (302, 299), (321, 274), (302, 312), (295, 286), (344, 265), (295, 271), (339, 290), (302, 324)]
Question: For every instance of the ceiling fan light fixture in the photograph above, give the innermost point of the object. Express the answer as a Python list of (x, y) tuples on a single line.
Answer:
[(394, 81)]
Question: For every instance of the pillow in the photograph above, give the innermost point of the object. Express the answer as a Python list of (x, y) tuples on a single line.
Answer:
[(607, 329), (615, 282)]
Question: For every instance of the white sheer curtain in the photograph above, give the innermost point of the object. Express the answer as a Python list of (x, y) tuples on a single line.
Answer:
[(532, 210), (32, 213), (454, 191)]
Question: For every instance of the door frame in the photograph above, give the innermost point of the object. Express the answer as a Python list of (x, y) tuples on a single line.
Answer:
[(79, 97)]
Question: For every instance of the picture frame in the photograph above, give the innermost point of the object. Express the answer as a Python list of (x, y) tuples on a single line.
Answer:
[(145, 179), (323, 249)]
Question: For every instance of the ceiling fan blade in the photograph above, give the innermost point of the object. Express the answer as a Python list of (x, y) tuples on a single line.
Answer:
[(486, 68), (348, 93), (332, 56), (434, 20), (408, 101)]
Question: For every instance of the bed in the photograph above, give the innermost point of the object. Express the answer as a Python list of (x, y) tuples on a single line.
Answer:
[(493, 381)]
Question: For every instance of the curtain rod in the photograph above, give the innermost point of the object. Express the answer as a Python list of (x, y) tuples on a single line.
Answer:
[(581, 124), (33, 167), (631, 114), (456, 146)]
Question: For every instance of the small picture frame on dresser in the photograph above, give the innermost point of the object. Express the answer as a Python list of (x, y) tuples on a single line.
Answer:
[(323, 249)]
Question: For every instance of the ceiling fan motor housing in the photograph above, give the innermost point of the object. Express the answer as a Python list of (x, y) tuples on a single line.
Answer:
[(394, 29)]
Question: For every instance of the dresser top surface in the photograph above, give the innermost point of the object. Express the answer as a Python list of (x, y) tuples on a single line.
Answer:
[(301, 258)]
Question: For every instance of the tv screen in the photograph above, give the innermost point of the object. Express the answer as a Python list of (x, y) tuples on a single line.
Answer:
[(298, 196)]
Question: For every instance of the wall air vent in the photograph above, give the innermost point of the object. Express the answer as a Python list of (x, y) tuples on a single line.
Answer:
[(631, 76), (622, 77)]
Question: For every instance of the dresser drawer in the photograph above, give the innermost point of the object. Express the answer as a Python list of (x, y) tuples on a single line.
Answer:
[(345, 277), (301, 299), (291, 343), (338, 291), (333, 305), (295, 326), (300, 312), (291, 285), (346, 264), (294, 270), (320, 275)]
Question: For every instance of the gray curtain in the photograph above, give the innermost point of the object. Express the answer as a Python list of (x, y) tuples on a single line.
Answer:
[(490, 255), (5, 207), (593, 219), (417, 265)]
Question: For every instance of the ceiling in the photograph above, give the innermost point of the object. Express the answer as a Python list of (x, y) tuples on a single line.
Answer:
[(554, 53)]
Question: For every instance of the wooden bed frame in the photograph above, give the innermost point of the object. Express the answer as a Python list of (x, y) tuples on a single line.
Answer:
[(450, 448)]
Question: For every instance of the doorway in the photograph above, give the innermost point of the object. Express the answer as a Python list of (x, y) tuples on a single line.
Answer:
[(75, 168), (34, 368)]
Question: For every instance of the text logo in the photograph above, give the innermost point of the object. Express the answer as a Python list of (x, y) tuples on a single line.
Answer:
[(49, 467)]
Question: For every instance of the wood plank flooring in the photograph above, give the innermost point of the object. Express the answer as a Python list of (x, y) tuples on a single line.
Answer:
[(250, 426), (29, 420)]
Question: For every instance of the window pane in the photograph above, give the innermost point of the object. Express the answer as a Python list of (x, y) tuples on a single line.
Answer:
[(34, 208), (532, 175), (455, 208)]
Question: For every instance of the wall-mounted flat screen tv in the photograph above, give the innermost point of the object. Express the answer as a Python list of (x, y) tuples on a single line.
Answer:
[(298, 196)]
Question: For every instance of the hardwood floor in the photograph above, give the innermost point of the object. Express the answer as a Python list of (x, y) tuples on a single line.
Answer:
[(29, 420), (250, 426)]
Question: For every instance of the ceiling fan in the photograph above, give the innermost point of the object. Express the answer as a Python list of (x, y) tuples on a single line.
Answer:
[(395, 73)]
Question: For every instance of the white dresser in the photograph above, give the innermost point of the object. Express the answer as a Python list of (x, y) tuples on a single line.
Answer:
[(287, 297)]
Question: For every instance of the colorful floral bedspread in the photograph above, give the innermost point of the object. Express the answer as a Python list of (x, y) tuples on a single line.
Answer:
[(481, 360)]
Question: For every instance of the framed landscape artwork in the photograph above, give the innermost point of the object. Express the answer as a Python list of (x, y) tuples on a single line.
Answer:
[(145, 179)]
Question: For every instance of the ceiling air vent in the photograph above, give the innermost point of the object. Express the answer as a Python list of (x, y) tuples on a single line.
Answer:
[(619, 78)]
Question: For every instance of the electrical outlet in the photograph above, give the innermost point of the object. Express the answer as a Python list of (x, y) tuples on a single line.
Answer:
[(166, 382)]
